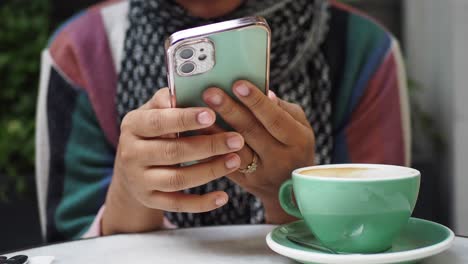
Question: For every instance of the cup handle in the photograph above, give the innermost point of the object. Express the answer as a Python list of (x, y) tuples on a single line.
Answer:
[(286, 199)]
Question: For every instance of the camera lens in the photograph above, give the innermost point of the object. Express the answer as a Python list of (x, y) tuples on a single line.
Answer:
[(186, 53), (187, 67)]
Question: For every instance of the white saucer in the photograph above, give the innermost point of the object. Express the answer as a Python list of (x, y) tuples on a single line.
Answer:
[(419, 239)]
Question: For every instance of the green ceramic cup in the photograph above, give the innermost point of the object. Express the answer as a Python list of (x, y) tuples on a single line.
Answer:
[(353, 208)]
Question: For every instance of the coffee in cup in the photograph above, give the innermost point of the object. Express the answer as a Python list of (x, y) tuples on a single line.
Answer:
[(342, 172)]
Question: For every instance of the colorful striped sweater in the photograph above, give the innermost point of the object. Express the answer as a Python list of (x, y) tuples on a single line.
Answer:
[(77, 127)]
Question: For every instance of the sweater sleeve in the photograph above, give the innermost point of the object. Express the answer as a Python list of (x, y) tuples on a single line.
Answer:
[(379, 130), (77, 124), (376, 128), (371, 122), (79, 158)]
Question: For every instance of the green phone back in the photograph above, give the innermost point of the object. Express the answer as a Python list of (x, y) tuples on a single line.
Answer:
[(240, 54)]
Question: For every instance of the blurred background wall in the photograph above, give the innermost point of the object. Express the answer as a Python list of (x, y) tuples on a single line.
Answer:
[(436, 37), (19, 66)]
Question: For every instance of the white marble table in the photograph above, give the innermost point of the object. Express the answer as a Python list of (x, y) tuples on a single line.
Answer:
[(229, 244)]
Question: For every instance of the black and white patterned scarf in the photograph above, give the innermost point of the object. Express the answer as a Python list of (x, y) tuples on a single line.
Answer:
[(299, 74)]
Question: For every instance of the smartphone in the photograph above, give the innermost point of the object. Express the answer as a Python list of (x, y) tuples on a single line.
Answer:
[(217, 55)]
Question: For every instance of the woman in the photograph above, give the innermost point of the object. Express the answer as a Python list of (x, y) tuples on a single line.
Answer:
[(105, 130)]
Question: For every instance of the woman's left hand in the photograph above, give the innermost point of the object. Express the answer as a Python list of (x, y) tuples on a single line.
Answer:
[(276, 131)]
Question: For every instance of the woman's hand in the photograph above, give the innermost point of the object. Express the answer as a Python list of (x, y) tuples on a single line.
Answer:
[(147, 180), (277, 131)]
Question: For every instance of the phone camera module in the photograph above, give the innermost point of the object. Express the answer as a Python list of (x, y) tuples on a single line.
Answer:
[(186, 53), (194, 57), (187, 67)]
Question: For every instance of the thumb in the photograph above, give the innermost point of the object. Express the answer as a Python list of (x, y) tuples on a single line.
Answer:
[(160, 100)]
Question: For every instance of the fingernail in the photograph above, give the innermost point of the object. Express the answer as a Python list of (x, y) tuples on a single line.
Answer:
[(242, 89), (215, 99), (272, 95), (234, 142), (220, 201), (232, 162), (204, 118)]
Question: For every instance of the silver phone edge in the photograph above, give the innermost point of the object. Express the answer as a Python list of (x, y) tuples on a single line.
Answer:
[(178, 38)]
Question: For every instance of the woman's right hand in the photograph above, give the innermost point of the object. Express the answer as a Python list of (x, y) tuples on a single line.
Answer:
[(147, 179)]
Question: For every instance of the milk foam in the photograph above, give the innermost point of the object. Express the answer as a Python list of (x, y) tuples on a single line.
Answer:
[(359, 172)]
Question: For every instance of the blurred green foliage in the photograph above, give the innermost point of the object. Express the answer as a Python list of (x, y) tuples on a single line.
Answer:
[(24, 30)]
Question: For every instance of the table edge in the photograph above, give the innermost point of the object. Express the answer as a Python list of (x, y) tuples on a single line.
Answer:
[(156, 231)]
